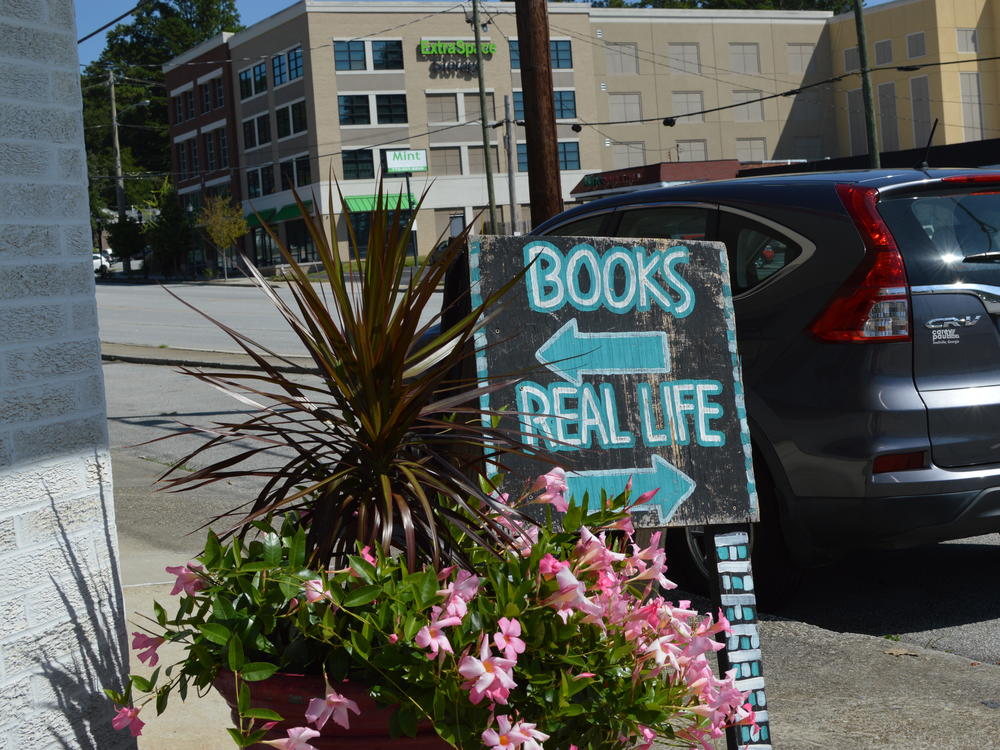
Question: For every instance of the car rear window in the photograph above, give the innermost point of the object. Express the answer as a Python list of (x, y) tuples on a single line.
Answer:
[(947, 237)]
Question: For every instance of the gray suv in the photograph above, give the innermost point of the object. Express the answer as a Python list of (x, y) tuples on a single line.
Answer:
[(867, 307)]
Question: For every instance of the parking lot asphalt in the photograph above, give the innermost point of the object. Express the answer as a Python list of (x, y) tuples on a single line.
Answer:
[(825, 689)]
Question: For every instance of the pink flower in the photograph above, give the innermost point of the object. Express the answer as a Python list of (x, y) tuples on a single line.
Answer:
[(128, 717), (143, 641), (549, 565), (648, 735), (334, 706), (571, 597), (488, 676), (534, 739), (298, 739), (432, 636), (504, 737), (366, 555), (507, 639), (583, 676), (315, 591), (393, 637), (554, 484), (188, 579)]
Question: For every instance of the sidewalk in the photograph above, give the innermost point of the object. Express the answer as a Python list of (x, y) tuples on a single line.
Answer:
[(837, 691)]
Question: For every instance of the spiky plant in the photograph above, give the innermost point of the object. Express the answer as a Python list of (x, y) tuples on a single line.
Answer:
[(387, 450)]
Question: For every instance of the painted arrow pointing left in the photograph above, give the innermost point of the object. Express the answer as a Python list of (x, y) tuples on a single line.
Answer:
[(571, 354)]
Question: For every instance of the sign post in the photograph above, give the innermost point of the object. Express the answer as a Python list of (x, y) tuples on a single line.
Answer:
[(629, 350)]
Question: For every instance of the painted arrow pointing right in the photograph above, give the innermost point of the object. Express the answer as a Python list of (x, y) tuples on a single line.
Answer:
[(674, 485)]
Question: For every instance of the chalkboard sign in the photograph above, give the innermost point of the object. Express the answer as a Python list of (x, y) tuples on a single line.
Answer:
[(627, 349)]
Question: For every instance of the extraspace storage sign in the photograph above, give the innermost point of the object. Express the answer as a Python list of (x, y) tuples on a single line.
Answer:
[(627, 363)]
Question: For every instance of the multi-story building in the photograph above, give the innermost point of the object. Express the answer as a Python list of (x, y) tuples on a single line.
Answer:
[(924, 56), (322, 90)]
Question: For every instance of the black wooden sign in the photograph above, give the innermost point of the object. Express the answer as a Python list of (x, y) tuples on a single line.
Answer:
[(629, 354)]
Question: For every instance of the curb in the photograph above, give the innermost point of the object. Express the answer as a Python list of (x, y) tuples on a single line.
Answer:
[(145, 355)]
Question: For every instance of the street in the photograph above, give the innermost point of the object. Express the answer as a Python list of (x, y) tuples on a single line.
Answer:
[(936, 597)]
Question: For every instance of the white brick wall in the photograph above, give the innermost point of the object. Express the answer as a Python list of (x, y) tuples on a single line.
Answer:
[(61, 620)]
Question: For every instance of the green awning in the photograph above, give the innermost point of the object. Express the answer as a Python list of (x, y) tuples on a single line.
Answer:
[(291, 211), (266, 215), (365, 203)]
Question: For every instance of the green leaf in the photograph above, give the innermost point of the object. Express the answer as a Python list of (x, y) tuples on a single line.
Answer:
[(160, 613), (162, 695), (573, 709), (361, 645), (239, 738), (212, 554), (297, 550), (235, 655), (243, 698), (362, 595), (262, 713), (215, 632), (573, 517), (407, 719), (364, 569), (256, 671), (141, 683), (426, 587), (272, 550), (115, 696)]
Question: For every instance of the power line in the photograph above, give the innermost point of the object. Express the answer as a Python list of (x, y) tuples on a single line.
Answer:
[(112, 23)]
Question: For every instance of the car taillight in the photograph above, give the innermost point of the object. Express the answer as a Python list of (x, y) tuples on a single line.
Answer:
[(972, 178), (892, 462), (874, 303)]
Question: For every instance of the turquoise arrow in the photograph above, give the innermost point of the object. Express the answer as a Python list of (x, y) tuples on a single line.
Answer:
[(570, 354), (675, 486)]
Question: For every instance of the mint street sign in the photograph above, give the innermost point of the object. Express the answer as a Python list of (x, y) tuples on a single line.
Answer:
[(626, 352), (405, 160)]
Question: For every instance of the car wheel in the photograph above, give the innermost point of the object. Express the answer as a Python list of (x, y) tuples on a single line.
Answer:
[(776, 576)]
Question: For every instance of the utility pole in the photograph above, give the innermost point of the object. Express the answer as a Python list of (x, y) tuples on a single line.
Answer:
[(539, 114), (866, 87), (119, 179), (487, 151), (510, 145)]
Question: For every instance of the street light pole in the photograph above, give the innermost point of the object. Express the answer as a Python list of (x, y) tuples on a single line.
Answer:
[(119, 179)]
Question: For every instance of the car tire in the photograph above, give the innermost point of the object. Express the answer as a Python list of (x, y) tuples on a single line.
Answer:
[(776, 576)]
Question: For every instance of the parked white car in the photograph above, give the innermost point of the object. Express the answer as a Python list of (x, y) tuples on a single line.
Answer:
[(101, 265)]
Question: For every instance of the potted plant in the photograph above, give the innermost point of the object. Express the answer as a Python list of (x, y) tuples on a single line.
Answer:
[(380, 586)]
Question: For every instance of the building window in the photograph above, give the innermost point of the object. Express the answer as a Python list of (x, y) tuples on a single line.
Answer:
[(358, 165), (390, 108), (246, 84), (256, 131), (751, 109), (744, 57), (279, 70), (518, 105), (564, 103), (446, 160), (515, 54), (299, 241), (477, 164), (561, 53), (696, 150), (253, 183), (387, 55), (182, 160), (623, 57), (296, 172), (211, 164), (852, 61), (295, 64), (920, 102), (219, 92), (472, 111), (267, 180), (967, 41), (188, 104), (195, 164), (291, 119), (625, 155), (349, 55), (883, 52), (206, 98), (223, 149), (522, 157), (442, 108), (972, 106), (569, 155), (888, 128), (856, 129), (625, 107), (915, 46), (751, 149), (178, 110), (800, 57), (354, 109), (683, 102), (265, 251), (260, 78), (685, 57), (263, 129)]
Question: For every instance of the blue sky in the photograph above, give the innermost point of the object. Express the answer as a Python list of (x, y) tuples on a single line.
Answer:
[(91, 15)]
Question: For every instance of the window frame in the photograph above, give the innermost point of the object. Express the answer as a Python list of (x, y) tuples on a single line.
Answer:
[(355, 163), (289, 108), (558, 105), (349, 46), (398, 42), (390, 106), (355, 107), (909, 46)]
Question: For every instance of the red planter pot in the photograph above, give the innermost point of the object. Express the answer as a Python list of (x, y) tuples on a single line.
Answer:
[(289, 695)]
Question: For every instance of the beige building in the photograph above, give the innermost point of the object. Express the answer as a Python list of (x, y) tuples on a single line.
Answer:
[(325, 88), (946, 37)]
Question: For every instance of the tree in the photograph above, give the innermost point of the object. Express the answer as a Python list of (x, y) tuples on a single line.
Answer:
[(170, 234), (127, 240), (222, 220), (135, 51)]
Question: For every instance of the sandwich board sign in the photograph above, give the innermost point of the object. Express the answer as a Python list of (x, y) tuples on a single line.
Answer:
[(630, 371), (405, 160), (628, 349)]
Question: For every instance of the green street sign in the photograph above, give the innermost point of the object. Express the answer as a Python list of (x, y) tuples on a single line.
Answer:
[(405, 160)]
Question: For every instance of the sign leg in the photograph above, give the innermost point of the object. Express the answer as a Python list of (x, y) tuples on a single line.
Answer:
[(733, 589)]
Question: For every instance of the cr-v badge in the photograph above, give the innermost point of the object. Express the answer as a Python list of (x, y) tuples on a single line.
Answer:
[(968, 320)]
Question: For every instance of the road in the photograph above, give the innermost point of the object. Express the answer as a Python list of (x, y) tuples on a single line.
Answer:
[(937, 597)]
